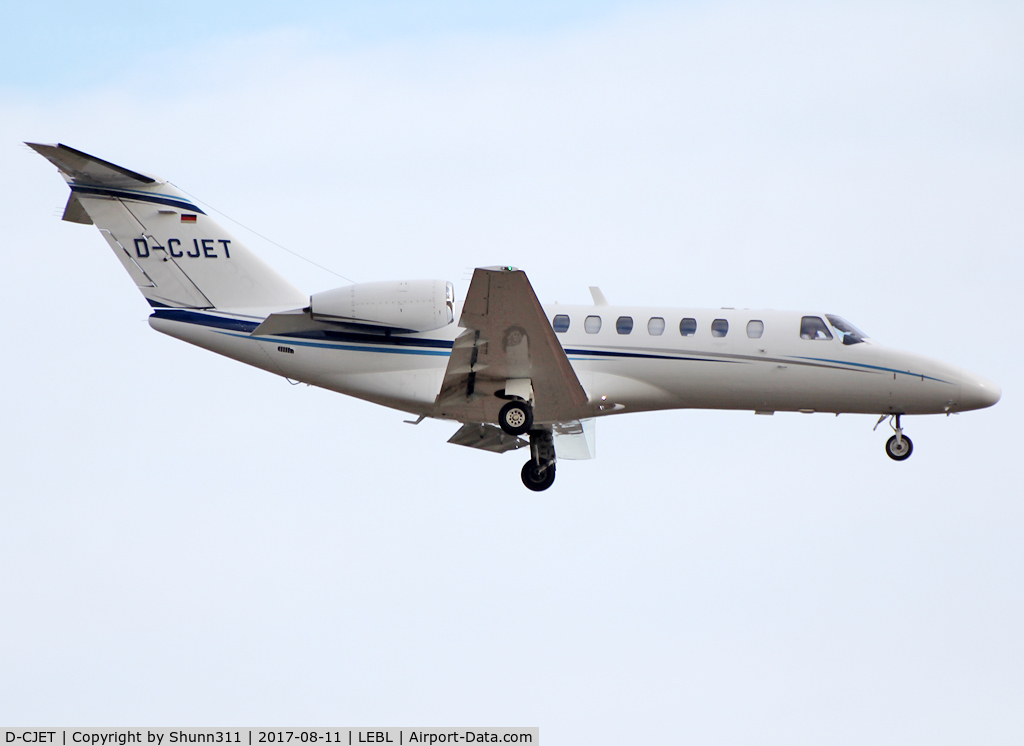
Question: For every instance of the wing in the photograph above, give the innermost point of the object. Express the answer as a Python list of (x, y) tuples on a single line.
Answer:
[(508, 348)]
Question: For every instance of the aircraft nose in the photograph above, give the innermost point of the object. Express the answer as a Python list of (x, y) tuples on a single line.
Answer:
[(977, 392)]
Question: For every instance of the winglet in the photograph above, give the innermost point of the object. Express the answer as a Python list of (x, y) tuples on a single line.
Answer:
[(599, 299)]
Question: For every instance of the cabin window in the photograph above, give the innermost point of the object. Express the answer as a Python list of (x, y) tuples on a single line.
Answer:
[(755, 329), (812, 327), (561, 323), (624, 324), (850, 334), (592, 324), (688, 327), (656, 326), (719, 328)]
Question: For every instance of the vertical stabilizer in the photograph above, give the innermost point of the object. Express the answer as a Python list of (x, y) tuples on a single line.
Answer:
[(176, 254)]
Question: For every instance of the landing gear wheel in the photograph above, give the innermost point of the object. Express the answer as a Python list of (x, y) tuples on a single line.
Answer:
[(538, 478), (516, 417), (899, 450)]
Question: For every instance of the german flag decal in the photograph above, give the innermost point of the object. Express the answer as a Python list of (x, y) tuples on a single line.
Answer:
[(188, 218)]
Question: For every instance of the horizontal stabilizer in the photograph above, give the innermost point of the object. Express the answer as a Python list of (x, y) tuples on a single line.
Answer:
[(88, 169)]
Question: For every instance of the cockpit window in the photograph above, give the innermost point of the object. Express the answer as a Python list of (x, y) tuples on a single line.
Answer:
[(812, 327), (850, 334)]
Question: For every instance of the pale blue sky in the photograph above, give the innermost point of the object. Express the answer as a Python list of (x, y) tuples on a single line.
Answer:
[(64, 45)]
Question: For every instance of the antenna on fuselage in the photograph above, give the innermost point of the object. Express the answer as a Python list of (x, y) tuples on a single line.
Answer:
[(598, 296)]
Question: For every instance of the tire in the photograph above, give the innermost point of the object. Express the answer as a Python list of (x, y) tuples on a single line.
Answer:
[(893, 451), (516, 417), (536, 479)]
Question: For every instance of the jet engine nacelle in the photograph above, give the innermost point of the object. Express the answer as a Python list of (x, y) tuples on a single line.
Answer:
[(408, 305)]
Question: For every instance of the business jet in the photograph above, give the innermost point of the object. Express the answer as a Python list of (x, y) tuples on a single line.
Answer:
[(513, 372)]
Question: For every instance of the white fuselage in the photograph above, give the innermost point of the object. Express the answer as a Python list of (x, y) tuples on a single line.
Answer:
[(621, 372)]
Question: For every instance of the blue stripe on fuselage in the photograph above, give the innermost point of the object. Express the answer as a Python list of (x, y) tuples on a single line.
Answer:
[(394, 349), (584, 354), (331, 339), (872, 367), (204, 319), (383, 343)]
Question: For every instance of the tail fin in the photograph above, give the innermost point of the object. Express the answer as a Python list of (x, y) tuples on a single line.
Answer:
[(176, 254)]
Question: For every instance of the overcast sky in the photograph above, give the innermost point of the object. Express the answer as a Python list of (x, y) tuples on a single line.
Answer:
[(187, 541)]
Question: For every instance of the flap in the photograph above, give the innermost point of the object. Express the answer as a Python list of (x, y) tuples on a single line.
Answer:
[(486, 438), (575, 441)]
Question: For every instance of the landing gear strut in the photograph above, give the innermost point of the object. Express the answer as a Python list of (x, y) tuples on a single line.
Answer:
[(899, 446), (539, 472)]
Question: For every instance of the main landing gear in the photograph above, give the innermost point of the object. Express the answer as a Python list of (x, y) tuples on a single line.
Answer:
[(899, 446), (516, 418), (539, 472)]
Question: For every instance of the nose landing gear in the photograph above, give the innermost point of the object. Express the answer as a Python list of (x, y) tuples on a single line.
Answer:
[(899, 446), (539, 472)]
